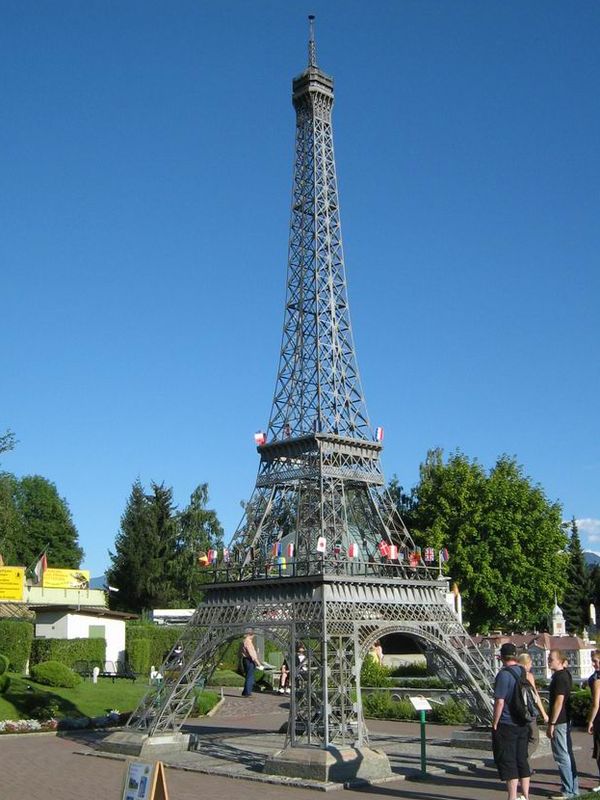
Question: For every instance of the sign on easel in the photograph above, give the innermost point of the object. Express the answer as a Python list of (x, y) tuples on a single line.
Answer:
[(145, 782)]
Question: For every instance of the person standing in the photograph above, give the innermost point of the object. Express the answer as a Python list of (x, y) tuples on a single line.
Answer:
[(509, 739), (536, 707), (559, 725), (593, 721), (250, 661)]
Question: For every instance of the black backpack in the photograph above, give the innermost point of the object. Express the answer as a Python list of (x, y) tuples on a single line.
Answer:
[(521, 705)]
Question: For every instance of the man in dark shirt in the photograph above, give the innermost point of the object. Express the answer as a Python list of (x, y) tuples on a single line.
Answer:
[(559, 725), (509, 739)]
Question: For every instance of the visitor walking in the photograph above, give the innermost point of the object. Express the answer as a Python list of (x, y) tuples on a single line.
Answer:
[(559, 725), (250, 661), (509, 739)]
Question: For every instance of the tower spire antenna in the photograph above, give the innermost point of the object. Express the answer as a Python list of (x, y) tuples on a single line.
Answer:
[(312, 47)]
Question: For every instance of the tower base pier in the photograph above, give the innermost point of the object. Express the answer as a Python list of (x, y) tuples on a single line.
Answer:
[(136, 743), (331, 764)]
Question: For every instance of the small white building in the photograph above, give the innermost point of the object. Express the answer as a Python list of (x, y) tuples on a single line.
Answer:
[(81, 622)]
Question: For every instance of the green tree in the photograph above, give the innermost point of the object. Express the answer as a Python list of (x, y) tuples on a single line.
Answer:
[(11, 528), (44, 520), (503, 535), (7, 441), (155, 560), (141, 565), (199, 530), (576, 601)]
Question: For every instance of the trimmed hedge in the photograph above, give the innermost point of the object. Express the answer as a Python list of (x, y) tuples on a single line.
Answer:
[(161, 640), (68, 651), (138, 656), (16, 636), (53, 673)]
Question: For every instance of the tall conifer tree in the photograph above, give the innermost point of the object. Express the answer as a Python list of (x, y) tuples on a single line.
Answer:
[(578, 596)]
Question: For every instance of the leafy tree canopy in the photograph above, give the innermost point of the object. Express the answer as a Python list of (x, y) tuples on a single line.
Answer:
[(33, 516), (505, 538)]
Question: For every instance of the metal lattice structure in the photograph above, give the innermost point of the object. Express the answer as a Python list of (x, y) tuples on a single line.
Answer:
[(319, 491)]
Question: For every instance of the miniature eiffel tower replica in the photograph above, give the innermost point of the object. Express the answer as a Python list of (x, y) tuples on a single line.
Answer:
[(321, 556)]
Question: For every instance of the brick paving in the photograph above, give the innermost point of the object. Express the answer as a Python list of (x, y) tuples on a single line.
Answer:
[(67, 766)]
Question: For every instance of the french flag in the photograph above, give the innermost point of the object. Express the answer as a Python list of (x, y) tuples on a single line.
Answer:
[(277, 548), (379, 434), (212, 556)]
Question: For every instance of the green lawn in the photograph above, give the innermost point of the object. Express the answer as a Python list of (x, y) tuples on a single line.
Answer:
[(25, 697), (85, 700)]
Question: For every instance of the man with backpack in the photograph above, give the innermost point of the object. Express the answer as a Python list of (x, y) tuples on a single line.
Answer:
[(510, 731), (559, 724)]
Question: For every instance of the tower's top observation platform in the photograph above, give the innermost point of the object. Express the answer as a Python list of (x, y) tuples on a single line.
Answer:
[(312, 80)]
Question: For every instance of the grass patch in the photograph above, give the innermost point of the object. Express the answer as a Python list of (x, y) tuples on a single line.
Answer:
[(205, 702), (84, 700)]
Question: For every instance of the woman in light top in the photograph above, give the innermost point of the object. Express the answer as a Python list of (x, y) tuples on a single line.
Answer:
[(538, 707)]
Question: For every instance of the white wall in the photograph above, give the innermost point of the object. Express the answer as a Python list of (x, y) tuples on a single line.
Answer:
[(57, 625)]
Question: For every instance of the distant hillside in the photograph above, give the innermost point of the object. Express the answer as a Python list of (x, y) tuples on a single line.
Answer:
[(100, 581), (591, 559)]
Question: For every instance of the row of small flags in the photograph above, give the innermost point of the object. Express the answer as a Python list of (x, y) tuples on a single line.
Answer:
[(260, 437), (386, 549)]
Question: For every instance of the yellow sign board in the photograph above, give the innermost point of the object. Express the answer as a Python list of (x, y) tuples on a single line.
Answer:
[(66, 578), (12, 580)]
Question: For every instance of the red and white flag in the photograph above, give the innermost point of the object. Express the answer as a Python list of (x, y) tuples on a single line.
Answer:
[(321, 544), (290, 550), (40, 568), (260, 437), (353, 550), (393, 552), (384, 548), (379, 434)]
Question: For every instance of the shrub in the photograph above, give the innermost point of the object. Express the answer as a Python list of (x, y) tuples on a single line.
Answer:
[(581, 701), (53, 673), (4, 663), (16, 636), (416, 670), (452, 712), (69, 651), (226, 677), (4, 683), (381, 706), (420, 683), (374, 674)]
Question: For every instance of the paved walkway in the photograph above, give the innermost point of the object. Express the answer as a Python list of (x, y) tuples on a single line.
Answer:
[(233, 744)]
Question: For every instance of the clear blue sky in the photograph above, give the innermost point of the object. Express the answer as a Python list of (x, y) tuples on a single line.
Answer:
[(146, 159)]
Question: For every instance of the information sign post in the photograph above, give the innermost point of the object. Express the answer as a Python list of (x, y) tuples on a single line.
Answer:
[(421, 704)]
